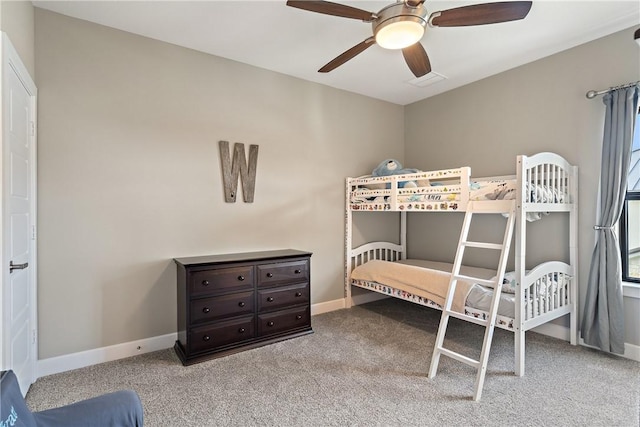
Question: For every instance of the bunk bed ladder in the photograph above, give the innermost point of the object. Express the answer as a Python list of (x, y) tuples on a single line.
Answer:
[(489, 323)]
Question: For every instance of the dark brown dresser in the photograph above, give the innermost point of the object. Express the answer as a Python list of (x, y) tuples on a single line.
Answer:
[(233, 302)]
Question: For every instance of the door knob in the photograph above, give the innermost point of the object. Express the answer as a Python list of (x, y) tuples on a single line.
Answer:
[(13, 266)]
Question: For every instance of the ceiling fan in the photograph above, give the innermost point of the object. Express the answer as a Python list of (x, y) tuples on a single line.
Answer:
[(402, 24)]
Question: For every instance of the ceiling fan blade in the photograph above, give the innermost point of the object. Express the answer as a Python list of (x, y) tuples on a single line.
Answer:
[(349, 54), (335, 9), (417, 59), (481, 14)]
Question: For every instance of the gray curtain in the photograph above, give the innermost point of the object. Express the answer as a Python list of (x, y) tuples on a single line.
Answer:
[(603, 317)]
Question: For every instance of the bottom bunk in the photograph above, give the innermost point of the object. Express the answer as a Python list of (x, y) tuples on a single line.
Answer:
[(405, 285), (546, 292)]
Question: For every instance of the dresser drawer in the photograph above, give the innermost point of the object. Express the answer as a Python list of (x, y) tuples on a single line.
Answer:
[(212, 308), (283, 272), (221, 334), (282, 321), (221, 279), (283, 296)]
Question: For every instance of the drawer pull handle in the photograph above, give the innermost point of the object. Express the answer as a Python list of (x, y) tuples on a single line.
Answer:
[(205, 283), (298, 271), (206, 338), (298, 317), (241, 278), (206, 310), (269, 275), (241, 304), (269, 299), (242, 330), (270, 324), (298, 294)]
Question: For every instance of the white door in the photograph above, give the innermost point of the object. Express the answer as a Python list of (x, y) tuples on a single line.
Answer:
[(18, 225)]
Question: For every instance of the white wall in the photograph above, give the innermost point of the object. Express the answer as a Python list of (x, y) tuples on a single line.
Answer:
[(130, 177), (537, 107)]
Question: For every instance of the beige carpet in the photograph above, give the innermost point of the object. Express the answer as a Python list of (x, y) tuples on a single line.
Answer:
[(367, 366)]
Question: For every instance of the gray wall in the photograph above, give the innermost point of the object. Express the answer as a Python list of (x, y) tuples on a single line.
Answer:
[(129, 175), (537, 107), (17, 21)]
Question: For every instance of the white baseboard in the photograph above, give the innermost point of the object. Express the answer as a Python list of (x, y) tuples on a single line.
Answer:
[(631, 351), (326, 307), (68, 362), (339, 304)]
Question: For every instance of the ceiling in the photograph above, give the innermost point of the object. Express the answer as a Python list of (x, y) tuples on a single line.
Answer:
[(270, 35)]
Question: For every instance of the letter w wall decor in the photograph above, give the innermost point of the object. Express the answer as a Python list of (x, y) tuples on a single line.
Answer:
[(230, 171)]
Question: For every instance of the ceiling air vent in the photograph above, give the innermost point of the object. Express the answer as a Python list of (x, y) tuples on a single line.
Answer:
[(427, 80)]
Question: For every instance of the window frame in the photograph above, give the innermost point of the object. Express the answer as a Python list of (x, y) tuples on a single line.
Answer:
[(624, 244), (623, 222)]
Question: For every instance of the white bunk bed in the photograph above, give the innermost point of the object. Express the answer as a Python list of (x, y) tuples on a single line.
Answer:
[(544, 183)]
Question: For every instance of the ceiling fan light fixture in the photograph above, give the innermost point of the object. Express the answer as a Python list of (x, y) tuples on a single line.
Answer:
[(400, 32), (402, 24)]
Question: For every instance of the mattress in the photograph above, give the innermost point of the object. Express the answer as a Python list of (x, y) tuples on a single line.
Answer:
[(429, 284)]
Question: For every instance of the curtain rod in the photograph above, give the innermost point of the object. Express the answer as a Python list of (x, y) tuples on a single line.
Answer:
[(592, 93)]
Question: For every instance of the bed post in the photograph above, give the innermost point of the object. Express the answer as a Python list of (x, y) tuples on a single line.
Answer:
[(348, 302), (403, 234), (573, 255), (521, 241)]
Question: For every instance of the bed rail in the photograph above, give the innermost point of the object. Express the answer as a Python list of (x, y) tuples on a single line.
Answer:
[(384, 251), (440, 190)]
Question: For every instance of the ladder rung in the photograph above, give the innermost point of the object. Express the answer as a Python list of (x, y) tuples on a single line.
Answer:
[(486, 282), (466, 317), (459, 357), (482, 245)]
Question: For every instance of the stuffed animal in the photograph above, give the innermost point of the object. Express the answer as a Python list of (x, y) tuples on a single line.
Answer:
[(393, 167)]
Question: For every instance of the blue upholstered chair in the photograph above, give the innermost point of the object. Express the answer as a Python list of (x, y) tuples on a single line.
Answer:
[(119, 409)]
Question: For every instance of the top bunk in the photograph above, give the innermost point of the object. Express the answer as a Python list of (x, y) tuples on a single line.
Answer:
[(544, 182)]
